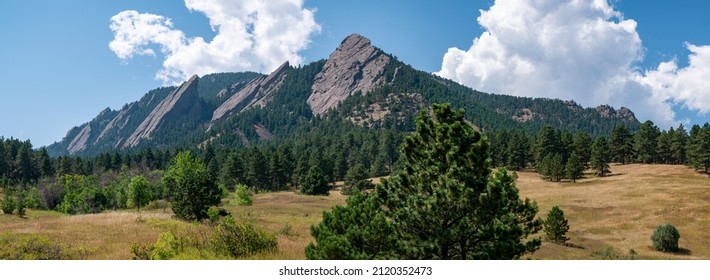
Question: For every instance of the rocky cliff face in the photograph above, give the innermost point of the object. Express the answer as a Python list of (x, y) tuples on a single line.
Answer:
[(354, 66), (257, 93), (609, 112), (184, 101)]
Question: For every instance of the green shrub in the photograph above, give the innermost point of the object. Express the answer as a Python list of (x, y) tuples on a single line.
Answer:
[(214, 213), (243, 195), (166, 247), (28, 247), (240, 239), (665, 238), (8, 205)]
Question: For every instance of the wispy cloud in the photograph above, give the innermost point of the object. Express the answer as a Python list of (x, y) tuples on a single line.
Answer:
[(252, 35)]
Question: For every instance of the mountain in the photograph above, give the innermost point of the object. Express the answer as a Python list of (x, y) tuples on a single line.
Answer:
[(358, 84)]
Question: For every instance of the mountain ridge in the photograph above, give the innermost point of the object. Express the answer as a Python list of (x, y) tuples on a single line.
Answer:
[(358, 83)]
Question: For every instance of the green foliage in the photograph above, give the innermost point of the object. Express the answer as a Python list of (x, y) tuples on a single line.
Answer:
[(621, 145), (645, 142), (8, 204), (556, 226), (356, 179), (33, 199), (20, 206), (600, 157), (315, 182), (166, 247), (34, 247), (552, 168), (243, 196), (574, 169), (358, 230), (191, 188), (214, 213), (241, 239), (138, 192), (442, 204), (665, 238)]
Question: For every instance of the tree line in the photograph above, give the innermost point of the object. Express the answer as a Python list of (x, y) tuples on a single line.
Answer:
[(560, 154)]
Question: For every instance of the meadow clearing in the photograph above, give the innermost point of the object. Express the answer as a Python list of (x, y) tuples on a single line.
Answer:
[(610, 218)]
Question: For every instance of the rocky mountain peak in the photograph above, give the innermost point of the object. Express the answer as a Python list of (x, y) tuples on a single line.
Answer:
[(184, 101), (257, 93), (354, 66)]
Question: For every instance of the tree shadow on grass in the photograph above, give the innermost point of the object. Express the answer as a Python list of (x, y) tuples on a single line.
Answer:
[(682, 252)]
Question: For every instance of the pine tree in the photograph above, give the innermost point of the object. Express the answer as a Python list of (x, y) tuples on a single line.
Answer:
[(646, 142), (315, 182), (556, 226), (257, 170), (356, 179), (663, 147), (548, 142), (600, 157), (583, 147), (358, 230), (552, 167), (679, 140), (621, 144), (574, 169), (444, 203), (518, 151)]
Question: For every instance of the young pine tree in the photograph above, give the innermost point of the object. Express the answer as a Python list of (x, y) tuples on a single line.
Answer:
[(556, 226)]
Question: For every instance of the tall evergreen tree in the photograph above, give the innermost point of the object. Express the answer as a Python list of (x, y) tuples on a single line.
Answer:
[(663, 147), (257, 170), (646, 142), (601, 157), (548, 142), (574, 169), (621, 144), (583, 147), (518, 151), (679, 140), (444, 204)]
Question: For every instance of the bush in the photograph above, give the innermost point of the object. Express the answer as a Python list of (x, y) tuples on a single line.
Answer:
[(240, 239), (8, 205), (243, 195), (28, 247), (556, 226), (214, 213), (665, 238), (166, 247)]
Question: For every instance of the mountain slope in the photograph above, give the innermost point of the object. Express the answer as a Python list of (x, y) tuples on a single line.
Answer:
[(358, 84)]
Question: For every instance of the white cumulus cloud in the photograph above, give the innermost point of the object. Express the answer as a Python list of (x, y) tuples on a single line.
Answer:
[(582, 50), (251, 35)]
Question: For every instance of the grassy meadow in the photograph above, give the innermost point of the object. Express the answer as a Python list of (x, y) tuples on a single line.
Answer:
[(609, 218)]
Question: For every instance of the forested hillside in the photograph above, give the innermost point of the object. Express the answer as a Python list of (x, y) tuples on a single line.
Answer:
[(358, 84)]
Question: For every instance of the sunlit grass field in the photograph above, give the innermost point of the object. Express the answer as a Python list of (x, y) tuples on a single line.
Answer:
[(609, 218)]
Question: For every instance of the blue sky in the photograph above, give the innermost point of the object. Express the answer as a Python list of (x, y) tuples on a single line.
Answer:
[(58, 71)]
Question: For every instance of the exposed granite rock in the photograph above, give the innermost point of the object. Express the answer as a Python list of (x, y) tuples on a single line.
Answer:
[(79, 142), (609, 112), (257, 93), (626, 113), (183, 101), (119, 122), (354, 66)]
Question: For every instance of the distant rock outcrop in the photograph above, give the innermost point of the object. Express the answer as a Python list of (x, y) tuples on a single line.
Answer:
[(623, 113), (183, 101), (79, 142), (354, 66), (257, 93)]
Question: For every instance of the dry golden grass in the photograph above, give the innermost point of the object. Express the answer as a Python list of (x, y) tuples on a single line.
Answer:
[(622, 210), (619, 211)]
